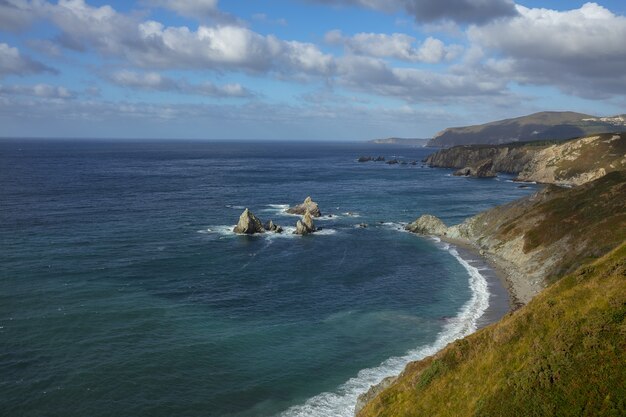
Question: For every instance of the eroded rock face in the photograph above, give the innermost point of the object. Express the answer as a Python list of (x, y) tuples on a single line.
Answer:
[(427, 225), (272, 227), (306, 225), (483, 169), (249, 224), (307, 206)]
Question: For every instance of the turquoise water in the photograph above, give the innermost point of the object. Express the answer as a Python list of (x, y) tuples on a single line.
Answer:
[(123, 290)]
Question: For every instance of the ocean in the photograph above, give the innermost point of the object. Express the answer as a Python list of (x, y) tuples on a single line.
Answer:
[(124, 292)]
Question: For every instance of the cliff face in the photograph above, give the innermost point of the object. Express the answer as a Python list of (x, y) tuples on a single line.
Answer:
[(541, 237), (534, 127), (564, 352), (573, 162), (508, 159)]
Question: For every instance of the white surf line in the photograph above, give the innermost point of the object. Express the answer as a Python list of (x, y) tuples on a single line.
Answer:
[(341, 403)]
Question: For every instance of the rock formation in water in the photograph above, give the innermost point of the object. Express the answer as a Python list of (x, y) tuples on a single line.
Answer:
[(249, 224), (306, 225), (308, 205), (272, 227)]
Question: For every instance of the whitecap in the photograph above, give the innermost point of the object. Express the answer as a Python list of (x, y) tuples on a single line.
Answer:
[(230, 206), (397, 226), (341, 403), (222, 230), (351, 214)]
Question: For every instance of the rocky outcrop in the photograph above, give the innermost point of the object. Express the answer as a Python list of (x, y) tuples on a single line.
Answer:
[(308, 205), (249, 224), (306, 225), (484, 169), (364, 159), (507, 159), (577, 162), (569, 163), (427, 225), (541, 236), (272, 227)]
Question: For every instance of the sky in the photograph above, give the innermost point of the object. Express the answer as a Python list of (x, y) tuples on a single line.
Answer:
[(301, 69)]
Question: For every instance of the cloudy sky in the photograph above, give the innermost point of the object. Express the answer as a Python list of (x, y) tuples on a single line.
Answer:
[(301, 69)]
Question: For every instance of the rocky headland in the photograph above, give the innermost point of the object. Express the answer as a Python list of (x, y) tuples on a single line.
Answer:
[(563, 253), (570, 163)]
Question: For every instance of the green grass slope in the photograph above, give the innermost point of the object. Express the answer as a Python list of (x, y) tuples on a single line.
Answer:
[(563, 354)]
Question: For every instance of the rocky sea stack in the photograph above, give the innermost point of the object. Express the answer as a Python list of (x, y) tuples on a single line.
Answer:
[(308, 205), (306, 225), (272, 227), (249, 224)]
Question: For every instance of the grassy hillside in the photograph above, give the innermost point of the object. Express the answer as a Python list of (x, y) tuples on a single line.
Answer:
[(563, 354), (534, 127)]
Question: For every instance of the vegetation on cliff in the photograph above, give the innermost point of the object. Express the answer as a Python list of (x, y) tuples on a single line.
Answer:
[(571, 162), (534, 127), (563, 354)]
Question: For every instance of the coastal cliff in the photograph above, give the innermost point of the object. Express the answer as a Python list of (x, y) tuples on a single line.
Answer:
[(564, 352), (569, 163), (543, 236)]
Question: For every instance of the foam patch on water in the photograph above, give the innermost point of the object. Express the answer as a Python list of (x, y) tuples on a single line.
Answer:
[(351, 214), (230, 206), (341, 403), (287, 233), (277, 209), (222, 230), (400, 227)]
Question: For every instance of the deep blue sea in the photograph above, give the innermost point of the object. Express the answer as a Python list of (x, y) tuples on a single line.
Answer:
[(124, 292)]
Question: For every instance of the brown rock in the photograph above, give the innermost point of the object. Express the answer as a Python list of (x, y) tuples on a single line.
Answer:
[(307, 206), (249, 224)]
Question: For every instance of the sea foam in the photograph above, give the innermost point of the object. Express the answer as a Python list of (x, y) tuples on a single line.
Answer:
[(341, 403)]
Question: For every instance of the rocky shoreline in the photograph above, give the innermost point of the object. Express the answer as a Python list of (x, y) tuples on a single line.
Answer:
[(534, 241)]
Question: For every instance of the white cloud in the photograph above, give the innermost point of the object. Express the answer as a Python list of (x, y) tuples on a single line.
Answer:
[(395, 45), (12, 62), (15, 14), (151, 44), (153, 81), (38, 90), (582, 51), (413, 85)]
